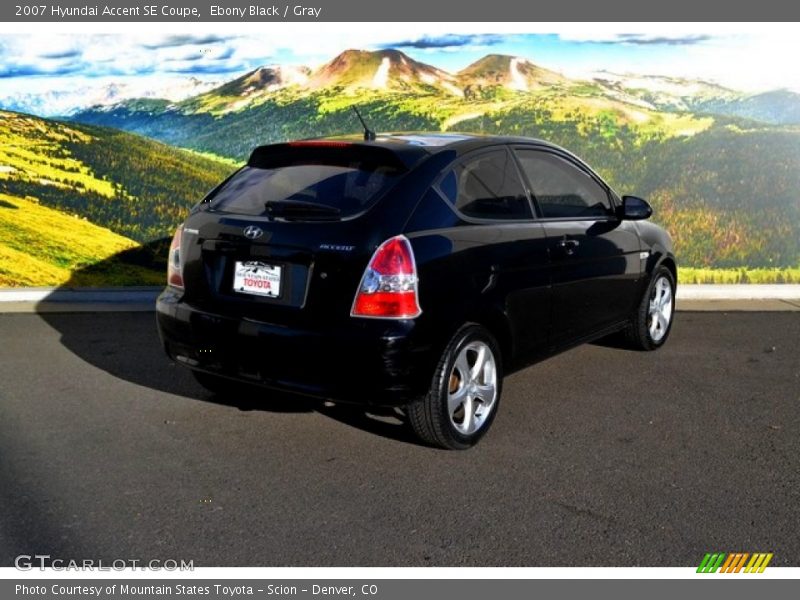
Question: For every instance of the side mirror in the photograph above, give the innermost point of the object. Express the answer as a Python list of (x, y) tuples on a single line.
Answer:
[(635, 209)]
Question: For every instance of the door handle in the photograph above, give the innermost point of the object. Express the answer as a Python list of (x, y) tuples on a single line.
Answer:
[(568, 246)]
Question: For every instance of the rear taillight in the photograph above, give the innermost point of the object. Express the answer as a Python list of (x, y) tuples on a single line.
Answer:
[(174, 266), (388, 288)]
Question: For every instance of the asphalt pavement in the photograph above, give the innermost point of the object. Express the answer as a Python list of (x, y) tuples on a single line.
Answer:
[(599, 456)]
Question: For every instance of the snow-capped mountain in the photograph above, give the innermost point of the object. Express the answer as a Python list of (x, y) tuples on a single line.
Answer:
[(66, 99)]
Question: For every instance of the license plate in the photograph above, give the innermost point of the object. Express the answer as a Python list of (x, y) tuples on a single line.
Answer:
[(257, 278)]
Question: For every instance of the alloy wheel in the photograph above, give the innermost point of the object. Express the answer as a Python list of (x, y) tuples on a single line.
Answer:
[(660, 311), (472, 388)]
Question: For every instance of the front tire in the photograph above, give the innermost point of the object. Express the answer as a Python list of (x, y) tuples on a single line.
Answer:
[(652, 321), (461, 403)]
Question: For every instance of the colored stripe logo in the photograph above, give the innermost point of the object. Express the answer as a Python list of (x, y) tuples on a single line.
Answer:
[(735, 562)]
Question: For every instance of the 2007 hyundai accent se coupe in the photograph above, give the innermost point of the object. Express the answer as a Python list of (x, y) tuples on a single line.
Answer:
[(410, 270)]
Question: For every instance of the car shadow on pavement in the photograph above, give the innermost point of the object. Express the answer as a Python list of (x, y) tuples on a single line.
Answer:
[(386, 422), (616, 341), (126, 345)]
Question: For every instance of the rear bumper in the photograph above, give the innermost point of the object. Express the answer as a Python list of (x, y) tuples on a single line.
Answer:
[(361, 361)]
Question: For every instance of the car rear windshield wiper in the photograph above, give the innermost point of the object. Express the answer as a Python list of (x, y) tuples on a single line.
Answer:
[(301, 209)]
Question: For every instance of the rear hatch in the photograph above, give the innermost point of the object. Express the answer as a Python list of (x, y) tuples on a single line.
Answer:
[(286, 238)]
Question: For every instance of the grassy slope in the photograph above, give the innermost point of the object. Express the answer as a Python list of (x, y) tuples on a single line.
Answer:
[(40, 246), (134, 186), (73, 197), (32, 150)]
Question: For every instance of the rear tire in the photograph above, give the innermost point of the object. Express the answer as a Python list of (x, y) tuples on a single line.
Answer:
[(652, 322), (462, 401)]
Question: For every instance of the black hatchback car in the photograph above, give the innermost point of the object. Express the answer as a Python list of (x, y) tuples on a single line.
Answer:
[(412, 270)]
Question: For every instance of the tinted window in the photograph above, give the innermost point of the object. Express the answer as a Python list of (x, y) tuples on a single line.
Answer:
[(487, 187), (562, 189), (341, 180)]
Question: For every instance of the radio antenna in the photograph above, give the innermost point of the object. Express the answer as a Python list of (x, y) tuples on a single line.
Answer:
[(369, 135)]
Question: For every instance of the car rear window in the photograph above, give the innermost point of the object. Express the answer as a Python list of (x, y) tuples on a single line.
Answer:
[(303, 178)]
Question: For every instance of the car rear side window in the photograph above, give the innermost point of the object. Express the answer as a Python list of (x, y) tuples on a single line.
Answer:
[(561, 189), (487, 186), (307, 182)]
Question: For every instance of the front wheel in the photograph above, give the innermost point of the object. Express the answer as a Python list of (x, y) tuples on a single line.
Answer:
[(462, 401), (652, 321)]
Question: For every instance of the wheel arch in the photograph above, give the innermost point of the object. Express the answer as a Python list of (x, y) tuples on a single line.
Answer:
[(669, 262), (661, 257), (497, 323)]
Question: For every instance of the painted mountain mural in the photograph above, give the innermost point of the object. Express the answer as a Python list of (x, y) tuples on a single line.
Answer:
[(721, 167)]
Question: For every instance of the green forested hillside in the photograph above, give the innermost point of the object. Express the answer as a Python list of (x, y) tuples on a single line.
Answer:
[(77, 202), (291, 114), (775, 107), (41, 246), (281, 117), (134, 186), (729, 195)]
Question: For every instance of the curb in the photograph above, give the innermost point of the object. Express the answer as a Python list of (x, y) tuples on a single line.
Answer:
[(766, 305), (747, 291), (125, 295), (75, 300)]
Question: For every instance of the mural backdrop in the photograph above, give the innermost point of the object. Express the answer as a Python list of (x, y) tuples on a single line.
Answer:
[(105, 141)]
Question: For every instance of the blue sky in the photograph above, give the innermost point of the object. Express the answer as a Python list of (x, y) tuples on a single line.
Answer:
[(752, 62)]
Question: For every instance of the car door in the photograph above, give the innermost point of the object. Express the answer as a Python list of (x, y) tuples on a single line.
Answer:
[(594, 254), (499, 243)]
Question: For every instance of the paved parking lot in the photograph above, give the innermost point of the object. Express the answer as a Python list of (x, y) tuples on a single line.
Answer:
[(599, 456)]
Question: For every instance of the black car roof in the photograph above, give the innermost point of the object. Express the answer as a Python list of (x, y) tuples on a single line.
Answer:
[(410, 147), (433, 142)]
